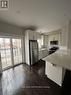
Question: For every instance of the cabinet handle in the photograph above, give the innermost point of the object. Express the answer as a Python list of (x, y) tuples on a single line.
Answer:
[(53, 64)]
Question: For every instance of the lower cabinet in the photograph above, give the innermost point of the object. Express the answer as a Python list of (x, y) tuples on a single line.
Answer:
[(54, 73)]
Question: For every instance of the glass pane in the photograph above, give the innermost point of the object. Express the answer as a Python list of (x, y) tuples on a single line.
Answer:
[(17, 52), (1, 43), (8, 52), (5, 52)]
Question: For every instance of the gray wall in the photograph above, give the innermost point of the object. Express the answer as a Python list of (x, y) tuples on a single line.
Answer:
[(10, 30)]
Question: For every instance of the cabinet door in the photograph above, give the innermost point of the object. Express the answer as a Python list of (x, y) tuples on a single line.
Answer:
[(53, 37), (36, 35), (54, 73), (31, 35)]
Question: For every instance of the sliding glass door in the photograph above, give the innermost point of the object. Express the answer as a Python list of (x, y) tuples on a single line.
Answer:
[(17, 51), (5, 50), (11, 52)]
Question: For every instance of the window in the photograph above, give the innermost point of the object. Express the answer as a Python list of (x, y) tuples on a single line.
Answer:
[(11, 52)]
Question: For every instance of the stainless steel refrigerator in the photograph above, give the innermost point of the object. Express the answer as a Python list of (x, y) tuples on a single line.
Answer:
[(33, 51)]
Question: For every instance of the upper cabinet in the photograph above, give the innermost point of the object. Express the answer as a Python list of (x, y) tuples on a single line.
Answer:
[(53, 37), (33, 35)]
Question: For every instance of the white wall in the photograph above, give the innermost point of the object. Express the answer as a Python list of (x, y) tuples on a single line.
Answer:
[(64, 35), (10, 30), (69, 35)]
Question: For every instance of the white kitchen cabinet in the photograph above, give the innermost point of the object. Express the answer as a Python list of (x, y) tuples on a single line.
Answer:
[(30, 35), (54, 73), (56, 65), (53, 37), (33, 35)]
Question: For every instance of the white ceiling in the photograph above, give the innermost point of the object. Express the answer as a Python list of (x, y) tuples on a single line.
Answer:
[(48, 15)]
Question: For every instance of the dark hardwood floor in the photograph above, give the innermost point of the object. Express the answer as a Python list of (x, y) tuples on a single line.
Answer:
[(23, 80)]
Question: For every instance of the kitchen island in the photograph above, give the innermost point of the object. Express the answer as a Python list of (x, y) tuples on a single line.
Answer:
[(56, 65)]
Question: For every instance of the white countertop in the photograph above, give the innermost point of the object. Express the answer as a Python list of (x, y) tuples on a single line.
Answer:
[(60, 58)]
